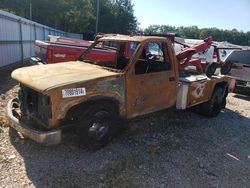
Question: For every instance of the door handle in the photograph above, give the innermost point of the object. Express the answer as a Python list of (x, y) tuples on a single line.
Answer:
[(171, 79)]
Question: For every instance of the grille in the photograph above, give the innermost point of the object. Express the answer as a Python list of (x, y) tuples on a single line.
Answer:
[(35, 105)]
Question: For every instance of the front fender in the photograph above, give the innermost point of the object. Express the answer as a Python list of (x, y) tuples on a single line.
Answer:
[(112, 88)]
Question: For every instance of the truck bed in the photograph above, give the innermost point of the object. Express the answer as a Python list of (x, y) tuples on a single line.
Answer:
[(56, 52), (196, 89)]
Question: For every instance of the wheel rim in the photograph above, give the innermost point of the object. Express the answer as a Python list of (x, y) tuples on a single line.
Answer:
[(99, 128), (97, 131)]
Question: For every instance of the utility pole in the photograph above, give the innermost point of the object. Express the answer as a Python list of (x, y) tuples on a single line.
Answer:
[(97, 16), (31, 46), (30, 12)]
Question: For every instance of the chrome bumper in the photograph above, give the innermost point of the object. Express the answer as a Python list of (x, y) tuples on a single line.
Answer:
[(44, 137)]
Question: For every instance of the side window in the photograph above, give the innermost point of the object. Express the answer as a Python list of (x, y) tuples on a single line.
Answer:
[(152, 59), (130, 49), (155, 49), (132, 46)]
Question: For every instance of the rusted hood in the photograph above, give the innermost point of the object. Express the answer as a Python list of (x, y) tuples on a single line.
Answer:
[(45, 77)]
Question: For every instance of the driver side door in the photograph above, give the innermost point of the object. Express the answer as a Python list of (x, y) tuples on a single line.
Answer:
[(151, 81)]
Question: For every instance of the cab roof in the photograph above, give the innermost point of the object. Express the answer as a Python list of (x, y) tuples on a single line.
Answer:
[(124, 38)]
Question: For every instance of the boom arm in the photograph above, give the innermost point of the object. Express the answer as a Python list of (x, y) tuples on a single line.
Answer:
[(184, 57)]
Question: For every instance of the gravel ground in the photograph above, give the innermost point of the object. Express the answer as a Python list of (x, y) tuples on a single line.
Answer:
[(164, 149)]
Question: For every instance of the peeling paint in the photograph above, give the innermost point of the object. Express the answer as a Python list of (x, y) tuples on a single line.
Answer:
[(198, 92), (139, 101)]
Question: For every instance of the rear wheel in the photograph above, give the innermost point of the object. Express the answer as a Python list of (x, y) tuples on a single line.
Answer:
[(97, 126), (213, 107)]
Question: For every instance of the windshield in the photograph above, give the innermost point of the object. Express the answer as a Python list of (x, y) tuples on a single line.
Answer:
[(239, 56), (109, 54)]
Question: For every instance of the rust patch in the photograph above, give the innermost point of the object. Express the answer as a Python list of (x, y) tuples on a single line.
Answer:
[(139, 101)]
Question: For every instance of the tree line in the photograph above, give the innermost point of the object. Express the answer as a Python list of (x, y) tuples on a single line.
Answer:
[(77, 16), (115, 16), (193, 32)]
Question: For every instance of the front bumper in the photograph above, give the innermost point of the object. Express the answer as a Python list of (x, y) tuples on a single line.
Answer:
[(44, 137)]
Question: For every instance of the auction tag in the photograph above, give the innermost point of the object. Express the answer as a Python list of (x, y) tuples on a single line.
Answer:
[(73, 92)]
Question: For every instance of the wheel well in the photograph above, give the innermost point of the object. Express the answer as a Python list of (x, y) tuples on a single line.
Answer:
[(74, 112)]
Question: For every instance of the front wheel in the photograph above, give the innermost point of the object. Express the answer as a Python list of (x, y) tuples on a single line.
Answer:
[(97, 126)]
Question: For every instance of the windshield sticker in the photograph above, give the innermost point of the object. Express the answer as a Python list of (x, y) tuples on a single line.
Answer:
[(73, 92)]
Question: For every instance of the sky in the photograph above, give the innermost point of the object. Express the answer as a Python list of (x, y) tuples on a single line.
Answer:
[(222, 14)]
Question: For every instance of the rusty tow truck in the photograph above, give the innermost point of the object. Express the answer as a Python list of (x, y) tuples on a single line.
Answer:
[(96, 97)]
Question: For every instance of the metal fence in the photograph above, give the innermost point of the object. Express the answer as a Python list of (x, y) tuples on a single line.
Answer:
[(17, 37)]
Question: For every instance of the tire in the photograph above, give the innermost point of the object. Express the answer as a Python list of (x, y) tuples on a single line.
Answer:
[(210, 69), (97, 127), (226, 67), (213, 107)]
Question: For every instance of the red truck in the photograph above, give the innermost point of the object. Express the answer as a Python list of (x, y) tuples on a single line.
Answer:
[(58, 49)]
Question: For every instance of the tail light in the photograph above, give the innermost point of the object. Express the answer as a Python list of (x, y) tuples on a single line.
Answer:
[(49, 55), (232, 85)]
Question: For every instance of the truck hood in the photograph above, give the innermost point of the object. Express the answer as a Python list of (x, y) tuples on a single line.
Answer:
[(45, 77)]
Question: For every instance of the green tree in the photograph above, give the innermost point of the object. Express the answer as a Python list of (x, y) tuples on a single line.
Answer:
[(77, 15), (233, 36), (116, 16), (161, 29), (189, 32), (125, 21)]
